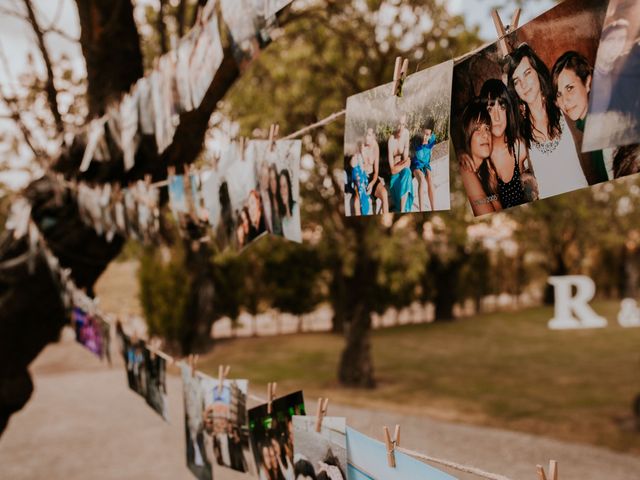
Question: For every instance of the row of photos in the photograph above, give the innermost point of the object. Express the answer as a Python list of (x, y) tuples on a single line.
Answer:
[(541, 119), (222, 432)]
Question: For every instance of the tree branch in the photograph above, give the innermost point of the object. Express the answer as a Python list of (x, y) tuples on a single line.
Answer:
[(50, 88)]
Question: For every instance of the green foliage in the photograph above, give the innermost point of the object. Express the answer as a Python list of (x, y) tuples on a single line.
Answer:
[(292, 273), (164, 292)]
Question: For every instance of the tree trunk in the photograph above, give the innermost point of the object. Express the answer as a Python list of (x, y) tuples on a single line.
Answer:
[(199, 313), (447, 278), (338, 297), (560, 269), (356, 366)]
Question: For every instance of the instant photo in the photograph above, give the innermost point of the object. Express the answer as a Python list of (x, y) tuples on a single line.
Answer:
[(155, 368), (368, 461), (226, 422), (90, 332), (518, 115), (614, 116), (199, 445), (249, 26), (397, 148), (320, 453), (272, 436), (278, 186)]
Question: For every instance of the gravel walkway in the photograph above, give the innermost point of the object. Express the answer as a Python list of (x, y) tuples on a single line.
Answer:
[(83, 422)]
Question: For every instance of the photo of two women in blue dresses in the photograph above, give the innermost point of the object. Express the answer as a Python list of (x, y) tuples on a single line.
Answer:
[(397, 148)]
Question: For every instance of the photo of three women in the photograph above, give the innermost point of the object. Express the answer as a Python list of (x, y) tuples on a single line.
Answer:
[(521, 138)]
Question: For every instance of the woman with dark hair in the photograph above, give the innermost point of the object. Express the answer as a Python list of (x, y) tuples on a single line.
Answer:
[(508, 152), (478, 175), (552, 149), (257, 225), (572, 77), (289, 210), (303, 469), (421, 166), (274, 193)]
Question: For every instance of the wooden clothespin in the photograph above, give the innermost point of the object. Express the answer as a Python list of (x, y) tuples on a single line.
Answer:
[(391, 444), (503, 31), (553, 471), (271, 395), (223, 372), (274, 130), (400, 75), (323, 403)]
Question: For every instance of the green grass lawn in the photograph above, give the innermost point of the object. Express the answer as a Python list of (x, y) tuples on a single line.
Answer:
[(505, 370)]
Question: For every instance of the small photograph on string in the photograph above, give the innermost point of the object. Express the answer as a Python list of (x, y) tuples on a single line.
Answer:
[(249, 222), (155, 392), (178, 201), (278, 172), (226, 422), (397, 147), (519, 107), (91, 332), (250, 27), (272, 436), (146, 372), (614, 116), (217, 200), (206, 57), (320, 454), (368, 460), (199, 444)]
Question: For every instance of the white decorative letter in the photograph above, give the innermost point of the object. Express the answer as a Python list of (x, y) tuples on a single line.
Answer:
[(566, 306), (629, 315)]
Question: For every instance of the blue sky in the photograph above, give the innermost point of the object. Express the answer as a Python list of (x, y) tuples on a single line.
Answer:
[(481, 10)]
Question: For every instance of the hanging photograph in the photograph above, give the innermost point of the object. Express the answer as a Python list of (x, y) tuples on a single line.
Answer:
[(155, 369), (614, 116), (278, 185), (178, 201), (225, 421), (368, 461), (320, 454), (397, 148), (206, 58), (272, 436), (247, 211), (90, 332), (249, 27), (518, 111), (199, 445)]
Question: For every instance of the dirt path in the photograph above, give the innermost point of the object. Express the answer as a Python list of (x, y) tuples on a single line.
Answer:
[(83, 422)]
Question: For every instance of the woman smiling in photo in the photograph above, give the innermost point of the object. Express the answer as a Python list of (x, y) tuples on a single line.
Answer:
[(552, 149)]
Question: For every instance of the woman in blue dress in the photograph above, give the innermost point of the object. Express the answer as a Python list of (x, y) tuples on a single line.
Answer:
[(401, 184), (421, 167), (360, 182)]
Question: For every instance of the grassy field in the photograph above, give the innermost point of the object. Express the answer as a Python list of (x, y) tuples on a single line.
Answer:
[(504, 370)]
